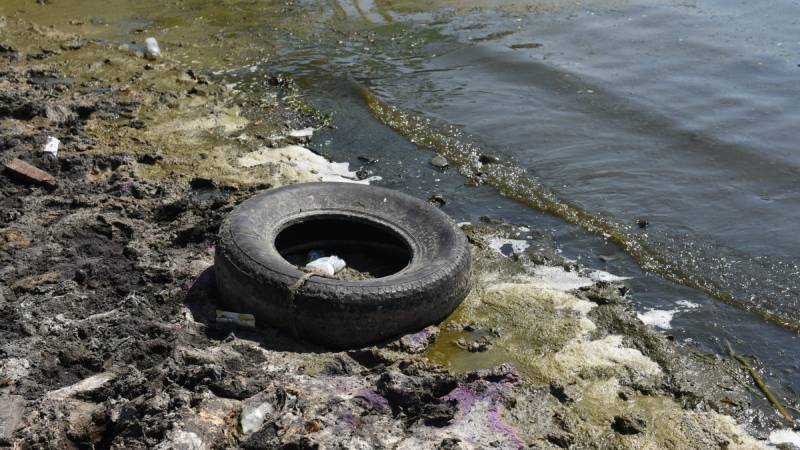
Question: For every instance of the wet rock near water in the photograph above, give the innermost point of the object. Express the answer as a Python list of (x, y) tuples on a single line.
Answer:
[(439, 162), (628, 424)]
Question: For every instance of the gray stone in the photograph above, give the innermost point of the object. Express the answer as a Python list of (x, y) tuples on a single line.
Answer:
[(628, 424), (439, 161), (11, 409), (58, 114)]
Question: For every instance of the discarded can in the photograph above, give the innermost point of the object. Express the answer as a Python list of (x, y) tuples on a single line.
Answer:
[(51, 147), (151, 48)]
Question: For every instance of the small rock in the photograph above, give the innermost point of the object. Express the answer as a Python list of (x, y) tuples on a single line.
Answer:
[(481, 345), (362, 174), (149, 158), (437, 200), (201, 183), (367, 161), (488, 159), (642, 223), (503, 373), (80, 276), (450, 444), (137, 124), (312, 426), (151, 48), (58, 114), (628, 424), (418, 342), (559, 391), (11, 410), (439, 414), (440, 162), (72, 45)]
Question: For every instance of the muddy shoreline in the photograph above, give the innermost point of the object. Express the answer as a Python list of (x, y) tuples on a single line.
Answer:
[(107, 299)]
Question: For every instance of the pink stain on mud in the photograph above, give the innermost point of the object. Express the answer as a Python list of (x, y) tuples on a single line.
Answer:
[(494, 393)]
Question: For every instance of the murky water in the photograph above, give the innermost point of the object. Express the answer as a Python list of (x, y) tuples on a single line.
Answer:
[(681, 114)]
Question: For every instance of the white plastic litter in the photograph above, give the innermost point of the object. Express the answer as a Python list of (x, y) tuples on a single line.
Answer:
[(151, 48), (305, 132), (253, 418), (329, 265), (245, 320), (51, 147)]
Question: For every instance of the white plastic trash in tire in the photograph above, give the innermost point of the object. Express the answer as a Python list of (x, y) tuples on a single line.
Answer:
[(329, 265)]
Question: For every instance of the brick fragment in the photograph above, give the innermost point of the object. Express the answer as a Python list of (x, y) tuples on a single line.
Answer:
[(26, 172)]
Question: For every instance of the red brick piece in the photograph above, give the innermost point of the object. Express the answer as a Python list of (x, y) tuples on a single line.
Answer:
[(29, 173)]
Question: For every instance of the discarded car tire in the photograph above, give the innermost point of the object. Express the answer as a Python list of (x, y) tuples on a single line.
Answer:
[(420, 258)]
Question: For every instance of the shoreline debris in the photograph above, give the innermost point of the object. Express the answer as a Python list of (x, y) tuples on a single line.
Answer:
[(245, 320), (151, 49), (328, 265), (51, 147), (29, 173)]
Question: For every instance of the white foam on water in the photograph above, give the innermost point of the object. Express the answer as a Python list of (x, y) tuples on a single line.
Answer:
[(785, 436), (496, 243), (602, 275), (661, 318), (687, 304), (556, 278), (305, 161), (302, 133)]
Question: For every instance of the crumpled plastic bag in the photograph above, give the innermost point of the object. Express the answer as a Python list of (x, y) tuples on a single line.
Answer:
[(328, 265)]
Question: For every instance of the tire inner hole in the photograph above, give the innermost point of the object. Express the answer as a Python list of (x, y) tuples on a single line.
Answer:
[(366, 246)]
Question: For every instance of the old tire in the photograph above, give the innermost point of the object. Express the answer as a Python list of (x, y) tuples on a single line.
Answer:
[(254, 277)]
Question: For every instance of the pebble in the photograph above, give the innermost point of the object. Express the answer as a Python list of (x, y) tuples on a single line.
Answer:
[(628, 424), (12, 408), (437, 200), (152, 50), (488, 159), (439, 162)]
